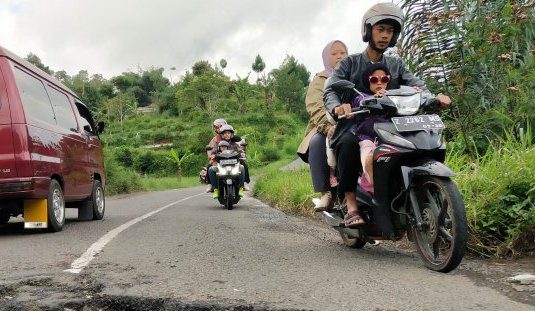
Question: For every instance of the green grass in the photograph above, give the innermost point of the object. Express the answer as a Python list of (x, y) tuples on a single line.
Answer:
[(164, 183), (289, 191)]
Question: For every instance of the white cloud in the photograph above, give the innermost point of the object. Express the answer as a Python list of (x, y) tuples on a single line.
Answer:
[(110, 37)]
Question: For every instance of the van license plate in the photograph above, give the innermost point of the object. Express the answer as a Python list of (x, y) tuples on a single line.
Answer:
[(418, 123), (228, 162)]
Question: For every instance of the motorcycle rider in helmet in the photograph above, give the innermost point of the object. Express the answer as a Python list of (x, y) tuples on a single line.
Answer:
[(227, 142), (381, 27)]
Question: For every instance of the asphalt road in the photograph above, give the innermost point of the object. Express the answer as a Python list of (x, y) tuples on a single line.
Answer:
[(195, 255)]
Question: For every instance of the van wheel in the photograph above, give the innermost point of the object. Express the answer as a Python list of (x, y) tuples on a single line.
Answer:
[(55, 207), (99, 202), (93, 208)]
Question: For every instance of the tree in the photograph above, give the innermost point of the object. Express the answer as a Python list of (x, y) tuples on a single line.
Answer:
[(204, 91), (223, 63), (480, 53), (200, 67), (258, 66), (242, 90), (121, 107), (289, 82), (34, 59), (178, 161)]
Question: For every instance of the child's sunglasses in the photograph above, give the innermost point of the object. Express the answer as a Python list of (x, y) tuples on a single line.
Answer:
[(375, 79)]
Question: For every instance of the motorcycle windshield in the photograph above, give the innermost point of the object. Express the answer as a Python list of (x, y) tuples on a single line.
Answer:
[(406, 99), (408, 104)]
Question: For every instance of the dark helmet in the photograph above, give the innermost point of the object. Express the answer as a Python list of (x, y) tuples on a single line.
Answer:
[(225, 128), (223, 143), (219, 122), (382, 12)]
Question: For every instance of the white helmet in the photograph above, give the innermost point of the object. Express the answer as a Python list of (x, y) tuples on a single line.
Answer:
[(225, 128), (382, 12), (219, 122)]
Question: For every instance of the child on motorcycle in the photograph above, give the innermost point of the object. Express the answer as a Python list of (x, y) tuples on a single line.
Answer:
[(375, 79)]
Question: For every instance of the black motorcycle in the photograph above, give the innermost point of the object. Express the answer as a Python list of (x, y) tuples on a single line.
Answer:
[(413, 192)]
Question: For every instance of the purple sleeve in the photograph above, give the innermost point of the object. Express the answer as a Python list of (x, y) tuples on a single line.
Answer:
[(356, 101)]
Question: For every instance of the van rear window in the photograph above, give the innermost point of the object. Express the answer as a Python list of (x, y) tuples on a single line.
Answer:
[(34, 98)]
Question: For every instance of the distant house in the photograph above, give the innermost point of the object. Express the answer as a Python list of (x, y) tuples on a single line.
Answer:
[(148, 109)]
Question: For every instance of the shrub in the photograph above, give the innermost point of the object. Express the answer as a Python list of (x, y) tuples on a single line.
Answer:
[(120, 179), (269, 154), (124, 155), (498, 189)]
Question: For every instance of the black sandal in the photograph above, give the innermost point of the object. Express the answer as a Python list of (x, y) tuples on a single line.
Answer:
[(354, 220)]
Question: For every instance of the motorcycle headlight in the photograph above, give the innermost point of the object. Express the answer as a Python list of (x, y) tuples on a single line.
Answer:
[(394, 139), (236, 170), (407, 105)]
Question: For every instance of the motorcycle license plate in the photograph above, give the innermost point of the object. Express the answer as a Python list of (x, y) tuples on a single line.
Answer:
[(229, 161), (418, 123)]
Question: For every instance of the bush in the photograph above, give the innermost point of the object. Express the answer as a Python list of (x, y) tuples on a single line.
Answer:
[(153, 162), (124, 156), (269, 154), (498, 189), (120, 179)]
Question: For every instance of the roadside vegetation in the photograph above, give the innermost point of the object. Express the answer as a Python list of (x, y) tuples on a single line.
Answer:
[(478, 52)]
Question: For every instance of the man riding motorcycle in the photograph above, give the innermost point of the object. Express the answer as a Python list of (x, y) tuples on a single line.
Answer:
[(381, 27)]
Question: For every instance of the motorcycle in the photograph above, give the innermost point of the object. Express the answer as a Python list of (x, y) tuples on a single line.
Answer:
[(229, 170), (413, 191)]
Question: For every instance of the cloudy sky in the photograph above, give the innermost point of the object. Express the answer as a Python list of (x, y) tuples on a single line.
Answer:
[(110, 37)]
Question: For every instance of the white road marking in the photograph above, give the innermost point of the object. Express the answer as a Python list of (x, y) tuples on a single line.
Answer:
[(80, 263)]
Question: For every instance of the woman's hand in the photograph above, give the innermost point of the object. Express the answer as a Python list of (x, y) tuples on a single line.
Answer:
[(330, 131), (444, 100), (343, 109)]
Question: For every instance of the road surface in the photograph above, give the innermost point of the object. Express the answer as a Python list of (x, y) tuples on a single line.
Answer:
[(179, 250)]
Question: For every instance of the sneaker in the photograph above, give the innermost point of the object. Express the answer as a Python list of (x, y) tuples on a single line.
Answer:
[(209, 189), (246, 188), (325, 203), (216, 193), (241, 192)]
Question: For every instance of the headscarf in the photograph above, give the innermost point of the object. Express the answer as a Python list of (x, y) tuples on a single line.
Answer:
[(368, 72), (326, 55)]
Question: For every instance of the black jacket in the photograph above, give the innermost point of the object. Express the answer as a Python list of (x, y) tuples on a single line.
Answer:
[(351, 68)]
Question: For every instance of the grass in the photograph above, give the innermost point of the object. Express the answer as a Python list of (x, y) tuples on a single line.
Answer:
[(289, 191)]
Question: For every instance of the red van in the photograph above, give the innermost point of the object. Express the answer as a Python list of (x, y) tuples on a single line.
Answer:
[(50, 151)]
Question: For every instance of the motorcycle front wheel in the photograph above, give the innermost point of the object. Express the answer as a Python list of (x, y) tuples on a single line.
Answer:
[(441, 242), (229, 194)]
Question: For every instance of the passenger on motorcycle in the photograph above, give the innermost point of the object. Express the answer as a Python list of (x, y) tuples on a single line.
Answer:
[(226, 144), (381, 26), (216, 125)]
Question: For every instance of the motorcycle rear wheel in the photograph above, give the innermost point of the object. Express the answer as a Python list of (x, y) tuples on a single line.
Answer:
[(349, 241), (441, 242)]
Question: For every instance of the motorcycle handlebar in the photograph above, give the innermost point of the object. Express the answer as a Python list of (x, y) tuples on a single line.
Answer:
[(363, 111)]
